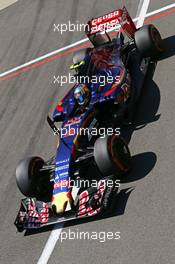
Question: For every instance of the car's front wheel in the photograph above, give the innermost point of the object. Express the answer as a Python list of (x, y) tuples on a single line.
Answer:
[(29, 177)]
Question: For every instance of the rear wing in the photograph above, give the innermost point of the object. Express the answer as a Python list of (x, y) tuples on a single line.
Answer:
[(112, 21)]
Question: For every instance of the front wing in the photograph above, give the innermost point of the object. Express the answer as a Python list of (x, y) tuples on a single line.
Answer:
[(35, 214)]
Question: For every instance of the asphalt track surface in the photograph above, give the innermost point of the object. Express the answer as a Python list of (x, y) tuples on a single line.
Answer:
[(144, 211)]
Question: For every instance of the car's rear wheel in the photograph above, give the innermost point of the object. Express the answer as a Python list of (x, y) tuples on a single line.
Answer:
[(29, 177), (148, 41), (112, 155)]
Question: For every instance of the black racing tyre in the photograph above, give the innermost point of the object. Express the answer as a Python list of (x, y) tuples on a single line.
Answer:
[(112, 155), (148, 41), (27, 174)]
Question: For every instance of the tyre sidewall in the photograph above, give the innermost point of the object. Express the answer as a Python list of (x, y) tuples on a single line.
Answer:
[(106, 158), (27, 173), (148, 41)]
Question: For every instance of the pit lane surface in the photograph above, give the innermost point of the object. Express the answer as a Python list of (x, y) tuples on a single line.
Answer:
[(145, 216)]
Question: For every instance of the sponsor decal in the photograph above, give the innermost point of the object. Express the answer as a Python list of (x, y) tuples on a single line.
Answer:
[(64, 173), (61, 184), (73, 121), (105, 22), (62, 167), (62, 161), (105, 18)]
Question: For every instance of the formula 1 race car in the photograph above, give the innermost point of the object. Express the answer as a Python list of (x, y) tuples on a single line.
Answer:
[(81, 179)]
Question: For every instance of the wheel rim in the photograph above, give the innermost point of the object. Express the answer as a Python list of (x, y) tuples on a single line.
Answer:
[(35, 166), (156, 38), (120, 154)]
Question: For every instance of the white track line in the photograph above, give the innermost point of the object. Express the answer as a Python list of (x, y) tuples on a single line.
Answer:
[(160, 10), (139, 8), (43, 57), (143, 6), (55, 233), (6, 3), (73, 45), (54, 237), (50, 244)]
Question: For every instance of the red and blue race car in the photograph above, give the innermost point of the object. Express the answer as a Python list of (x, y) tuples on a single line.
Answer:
[(91, 156)]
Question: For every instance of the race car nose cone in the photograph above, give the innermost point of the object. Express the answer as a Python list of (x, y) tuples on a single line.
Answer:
[(59, 202)]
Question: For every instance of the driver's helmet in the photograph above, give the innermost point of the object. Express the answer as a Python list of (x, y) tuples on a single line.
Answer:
[(81, 61), (80, 93)]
